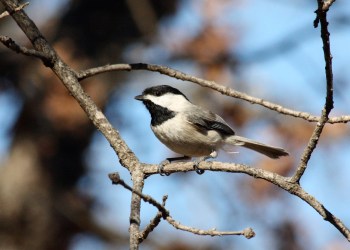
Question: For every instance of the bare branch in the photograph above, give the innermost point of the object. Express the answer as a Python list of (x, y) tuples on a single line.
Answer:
[(115, 178), (328, 106), (69, 79), (135, 236), (135, 208), (285, 183), (322, 6), (11, 44), (153, 223), (326, 4), (248, 233), (6, 13), (209, 84)]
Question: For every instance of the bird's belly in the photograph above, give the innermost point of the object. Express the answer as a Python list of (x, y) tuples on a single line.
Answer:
[(187, 140), (188, 149)]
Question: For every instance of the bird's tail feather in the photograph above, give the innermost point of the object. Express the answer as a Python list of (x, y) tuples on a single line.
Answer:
[(270, 151)]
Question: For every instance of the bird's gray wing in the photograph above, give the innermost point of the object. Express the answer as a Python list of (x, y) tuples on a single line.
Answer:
[(206, 120)]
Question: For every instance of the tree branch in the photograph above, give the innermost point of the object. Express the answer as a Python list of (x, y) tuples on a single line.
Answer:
[(69, 78), (135, 207), (285, 183), (248, 232), (326, 4), (209, 84), (11, 44), (6, 13), (153, 223), (328, 106)]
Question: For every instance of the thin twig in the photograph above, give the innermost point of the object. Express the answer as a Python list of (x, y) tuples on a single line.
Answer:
[(115, 178), (328, 106), (6, 13), (153, 223), (209, 84), (248, 232), (326, 4), (11, 44)]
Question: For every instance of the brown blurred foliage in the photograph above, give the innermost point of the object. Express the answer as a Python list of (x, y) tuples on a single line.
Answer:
[(40, 206)]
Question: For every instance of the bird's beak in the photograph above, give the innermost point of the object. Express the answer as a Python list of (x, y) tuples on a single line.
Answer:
[(140, 97)]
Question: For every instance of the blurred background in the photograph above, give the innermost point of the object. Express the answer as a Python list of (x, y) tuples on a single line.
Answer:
[(54, 189)]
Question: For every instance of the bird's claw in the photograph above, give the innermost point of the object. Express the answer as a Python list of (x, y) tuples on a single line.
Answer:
[(213, 154), (195, 167), (161, 168)]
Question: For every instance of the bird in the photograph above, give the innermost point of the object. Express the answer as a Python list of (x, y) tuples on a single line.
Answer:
[(191, 130)]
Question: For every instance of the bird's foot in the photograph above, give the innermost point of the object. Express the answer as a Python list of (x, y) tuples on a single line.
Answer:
[(161, 167), (212, 155), (196, 167), (168, 161)]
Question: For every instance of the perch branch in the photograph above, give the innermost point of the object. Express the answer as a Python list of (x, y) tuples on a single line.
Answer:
[(285, 183)]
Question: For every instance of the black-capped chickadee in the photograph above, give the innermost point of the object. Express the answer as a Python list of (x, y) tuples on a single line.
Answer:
[(190, 130)]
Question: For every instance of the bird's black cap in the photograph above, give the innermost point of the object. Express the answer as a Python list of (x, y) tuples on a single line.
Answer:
[(159, 91)]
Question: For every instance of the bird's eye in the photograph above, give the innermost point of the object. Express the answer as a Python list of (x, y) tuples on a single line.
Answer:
[(157, 93)]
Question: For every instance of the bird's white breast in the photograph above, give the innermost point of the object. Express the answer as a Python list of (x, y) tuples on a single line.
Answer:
[(184, 138)]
